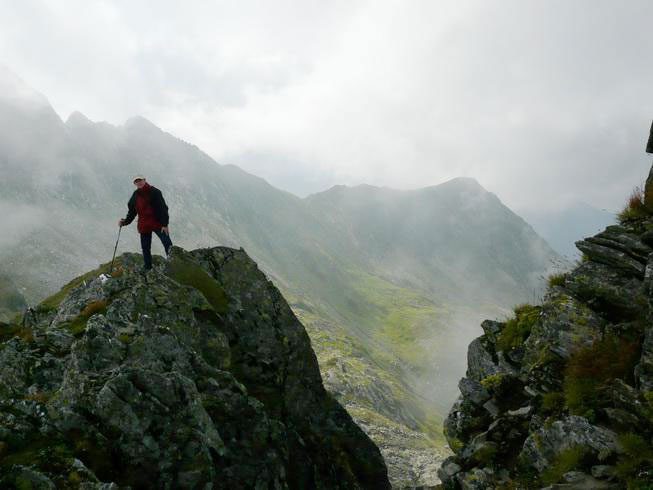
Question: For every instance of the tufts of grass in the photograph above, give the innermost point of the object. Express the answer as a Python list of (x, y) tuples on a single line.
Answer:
[(591, 367), (189, 274), (40, 397), (636, 207), (53, 302), (78, 324), (557, 279), (565, 461), (11, 330), (518, 328), (635, 466), (553, 402)]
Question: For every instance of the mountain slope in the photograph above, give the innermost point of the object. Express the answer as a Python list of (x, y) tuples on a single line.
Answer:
[(196, 375), (390, 271)]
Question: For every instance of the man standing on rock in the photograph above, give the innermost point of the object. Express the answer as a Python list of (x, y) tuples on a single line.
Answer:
[(147, 201)]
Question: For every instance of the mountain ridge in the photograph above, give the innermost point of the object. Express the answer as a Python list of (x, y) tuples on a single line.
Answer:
[(355, 272)]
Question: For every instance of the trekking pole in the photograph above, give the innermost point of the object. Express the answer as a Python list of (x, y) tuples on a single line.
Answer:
[(114, 250)]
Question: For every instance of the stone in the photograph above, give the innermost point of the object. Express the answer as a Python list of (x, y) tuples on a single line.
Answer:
[(644, 369), (480, 361), (449, 468), (608, 291), (473, 391), (613, 257), (541, 448), (491, 408), (476, 479), (492, 329), (603, 471), (622, 419), (520, 412)]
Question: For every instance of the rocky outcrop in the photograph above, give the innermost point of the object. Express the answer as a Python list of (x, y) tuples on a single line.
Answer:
[(561, 395), (195, 375)]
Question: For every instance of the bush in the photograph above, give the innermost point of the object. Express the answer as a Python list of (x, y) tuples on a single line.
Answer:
[(593, 366), (637, 461), (636, 207), (518, 328), (553, 402), (557, 279), (565, 461)]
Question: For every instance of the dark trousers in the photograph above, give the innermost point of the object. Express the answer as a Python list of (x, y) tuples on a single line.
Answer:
[(146, 245)]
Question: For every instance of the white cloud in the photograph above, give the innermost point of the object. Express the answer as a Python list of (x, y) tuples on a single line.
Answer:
[(542, 102)]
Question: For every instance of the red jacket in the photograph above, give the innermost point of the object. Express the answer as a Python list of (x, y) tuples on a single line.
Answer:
[(152, 211)]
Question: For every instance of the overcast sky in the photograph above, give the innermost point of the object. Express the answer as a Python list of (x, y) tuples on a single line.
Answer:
[(544, 102)]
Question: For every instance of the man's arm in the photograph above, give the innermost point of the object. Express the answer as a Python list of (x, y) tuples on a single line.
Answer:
[(160, 207), (131, 211)]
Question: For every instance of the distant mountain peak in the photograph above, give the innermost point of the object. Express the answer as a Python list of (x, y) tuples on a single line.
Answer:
[(12, 87), (76, 118), (466, 183), (140, 122)]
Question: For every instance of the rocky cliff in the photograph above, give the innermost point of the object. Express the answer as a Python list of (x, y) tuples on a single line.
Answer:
[(195, 375), (561, 395)]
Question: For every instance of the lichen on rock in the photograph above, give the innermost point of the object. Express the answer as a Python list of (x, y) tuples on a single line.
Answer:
[(194, 375), (561, 395)]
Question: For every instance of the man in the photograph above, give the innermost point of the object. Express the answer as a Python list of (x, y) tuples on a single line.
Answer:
[(147, 201)]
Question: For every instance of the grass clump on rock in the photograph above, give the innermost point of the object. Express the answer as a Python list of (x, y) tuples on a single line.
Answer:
[(591, 367), (11, 330), (189, 274), (78, 324), (557, 279), (636, 464), (53, 302), (567, 460), (636, 207), (553, 402), (518, 328)]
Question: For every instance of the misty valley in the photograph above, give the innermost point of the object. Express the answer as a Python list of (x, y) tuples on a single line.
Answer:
[(359, 337)]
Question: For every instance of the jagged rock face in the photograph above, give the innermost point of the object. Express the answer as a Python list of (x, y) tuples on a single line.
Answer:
[(561, 395), (196, 375)]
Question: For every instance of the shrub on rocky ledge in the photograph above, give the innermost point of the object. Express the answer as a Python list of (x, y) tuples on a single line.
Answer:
[(518, 327), (593, 366), (636, 207)]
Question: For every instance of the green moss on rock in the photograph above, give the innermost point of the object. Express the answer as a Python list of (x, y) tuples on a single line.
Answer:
[(187, 273), (566, 461), (518, 328)]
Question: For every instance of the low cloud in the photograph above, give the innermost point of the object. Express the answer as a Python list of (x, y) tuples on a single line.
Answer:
[(545, 103)]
